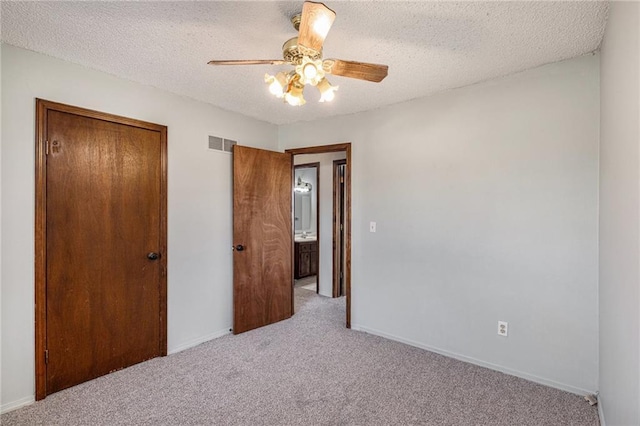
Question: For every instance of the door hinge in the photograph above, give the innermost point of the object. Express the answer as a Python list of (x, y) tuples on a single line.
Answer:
[(46, 356), (46, 148), (341, 179), (341, 227)]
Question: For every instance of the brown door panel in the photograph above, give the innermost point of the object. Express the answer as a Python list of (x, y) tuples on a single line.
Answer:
[(104, 215), (262, 271)]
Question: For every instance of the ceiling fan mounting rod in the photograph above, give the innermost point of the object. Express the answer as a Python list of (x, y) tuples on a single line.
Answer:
[(295, 20)]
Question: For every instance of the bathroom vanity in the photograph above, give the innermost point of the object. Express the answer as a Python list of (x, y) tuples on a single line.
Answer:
[(306, 258)]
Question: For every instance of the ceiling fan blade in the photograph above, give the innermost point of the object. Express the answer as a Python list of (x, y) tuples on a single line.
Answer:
[(249, 62), (315, 24), (353, 69)]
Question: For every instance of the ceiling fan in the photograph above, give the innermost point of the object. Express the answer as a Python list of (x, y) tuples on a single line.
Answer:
[(305, 54)]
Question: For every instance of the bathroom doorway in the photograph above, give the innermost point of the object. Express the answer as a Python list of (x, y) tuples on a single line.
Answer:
[(306, 220), (328, 248)]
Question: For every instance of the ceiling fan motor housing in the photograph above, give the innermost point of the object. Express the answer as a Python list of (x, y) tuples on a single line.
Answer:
[(293, 52)]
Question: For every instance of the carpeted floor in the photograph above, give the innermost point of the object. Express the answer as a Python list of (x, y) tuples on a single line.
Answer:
[(308, 370)]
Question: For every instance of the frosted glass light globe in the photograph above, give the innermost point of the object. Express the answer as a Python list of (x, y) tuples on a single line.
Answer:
[(310, 71)]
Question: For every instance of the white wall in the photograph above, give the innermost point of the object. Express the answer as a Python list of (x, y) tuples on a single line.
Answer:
[(326, 214), (199, 196), (620, 217), (486, 203), (485, 198)]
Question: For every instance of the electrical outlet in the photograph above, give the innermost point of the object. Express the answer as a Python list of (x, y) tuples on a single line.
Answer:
[(503, 328), (372, 227)]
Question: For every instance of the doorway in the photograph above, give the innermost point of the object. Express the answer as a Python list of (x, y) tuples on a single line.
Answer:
[(344, 148), (306, 224), (101, 244)]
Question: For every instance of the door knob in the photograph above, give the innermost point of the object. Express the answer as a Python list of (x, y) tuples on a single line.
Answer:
[(239, 247), (153, 256)]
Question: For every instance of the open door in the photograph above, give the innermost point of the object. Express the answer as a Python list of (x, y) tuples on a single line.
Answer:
[(262, 240)]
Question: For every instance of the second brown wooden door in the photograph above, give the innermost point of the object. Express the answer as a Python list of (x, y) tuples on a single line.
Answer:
[(262, 234), (104, 247)]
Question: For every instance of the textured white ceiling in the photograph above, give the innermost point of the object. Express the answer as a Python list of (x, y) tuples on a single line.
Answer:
[(429, 46)]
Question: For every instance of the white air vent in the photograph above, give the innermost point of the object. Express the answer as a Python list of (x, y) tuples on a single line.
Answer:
[(228, 145), (220, 144), (216, 143)]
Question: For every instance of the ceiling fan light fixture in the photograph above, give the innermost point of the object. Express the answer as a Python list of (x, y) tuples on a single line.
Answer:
[(327, 91), (310, 71), (294, 96), (277, 84)]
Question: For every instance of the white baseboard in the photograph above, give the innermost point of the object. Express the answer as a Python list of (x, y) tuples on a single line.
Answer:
[(195, 342), (14, 405), (601, 413), (527, 376)]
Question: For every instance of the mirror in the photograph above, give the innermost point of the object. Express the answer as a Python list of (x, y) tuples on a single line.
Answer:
[(303, 209), (304, 204)]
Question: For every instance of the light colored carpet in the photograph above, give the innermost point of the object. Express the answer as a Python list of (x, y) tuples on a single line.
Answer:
[(308, 370)]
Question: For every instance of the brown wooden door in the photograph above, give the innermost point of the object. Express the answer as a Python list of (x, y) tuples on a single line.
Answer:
[(105, 247), (262, 214)]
